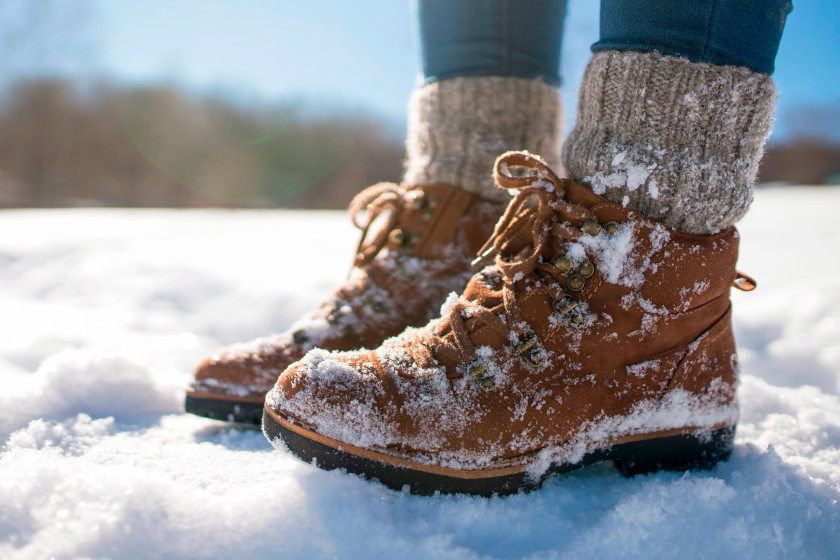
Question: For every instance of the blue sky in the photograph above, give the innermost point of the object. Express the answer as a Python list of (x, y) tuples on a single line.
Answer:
[(361, 55)]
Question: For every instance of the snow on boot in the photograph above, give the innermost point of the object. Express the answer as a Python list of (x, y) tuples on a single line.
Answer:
[(416, 247), (597, 335)]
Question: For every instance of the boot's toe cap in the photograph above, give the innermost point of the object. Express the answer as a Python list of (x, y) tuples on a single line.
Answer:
[(340, 394), (247, 369), (329, 378)]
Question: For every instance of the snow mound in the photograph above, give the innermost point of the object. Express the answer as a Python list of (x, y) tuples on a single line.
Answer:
[(82, 381), (106, 312)]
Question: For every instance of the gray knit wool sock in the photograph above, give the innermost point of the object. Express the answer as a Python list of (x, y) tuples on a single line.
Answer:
[(458, 127), (674, 140)]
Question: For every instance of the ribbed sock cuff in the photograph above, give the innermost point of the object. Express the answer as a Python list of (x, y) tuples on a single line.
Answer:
[(458, 126), (675, 140)]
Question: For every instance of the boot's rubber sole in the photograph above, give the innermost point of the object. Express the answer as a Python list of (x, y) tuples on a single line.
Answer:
[(672, 450), (243, 410)]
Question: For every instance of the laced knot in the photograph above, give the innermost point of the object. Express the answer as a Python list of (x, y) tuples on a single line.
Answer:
[(382, 199), (537, 224)]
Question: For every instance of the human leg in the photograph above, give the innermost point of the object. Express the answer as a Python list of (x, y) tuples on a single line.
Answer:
[(675, 107), (490, 77)]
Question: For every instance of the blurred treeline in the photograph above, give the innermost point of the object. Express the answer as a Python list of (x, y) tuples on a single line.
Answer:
[(810, 152), (157, 146)]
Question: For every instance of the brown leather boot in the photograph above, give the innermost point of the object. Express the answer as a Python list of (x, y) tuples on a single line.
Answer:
[(597, 335), (420, 252)]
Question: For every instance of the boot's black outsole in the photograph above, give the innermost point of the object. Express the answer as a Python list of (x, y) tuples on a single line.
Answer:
[(226, 410), (680, 452)]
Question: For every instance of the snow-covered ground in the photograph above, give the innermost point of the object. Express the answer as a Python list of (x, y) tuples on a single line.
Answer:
[(104, 313)]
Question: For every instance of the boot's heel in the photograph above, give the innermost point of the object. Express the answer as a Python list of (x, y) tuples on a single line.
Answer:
[(699, 450)]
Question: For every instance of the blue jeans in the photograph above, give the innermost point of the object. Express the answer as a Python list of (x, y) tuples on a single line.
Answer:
[(521, 38), (491, 38), (726, 32)]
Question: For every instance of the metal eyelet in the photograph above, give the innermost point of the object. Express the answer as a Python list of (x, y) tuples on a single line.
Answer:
[(397, 236), (426, 204), (530, 351), (575, 282), (563, 264), (565, 305), (576, 319), (428, 388), (428, 210), (407, 241), (568, 307), (590, 227), (611, 227), (586, 269), (476, 368), (478, 371), (486, 383), (416, 199)]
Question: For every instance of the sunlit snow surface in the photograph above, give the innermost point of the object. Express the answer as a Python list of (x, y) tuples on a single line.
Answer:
[(104, 313)]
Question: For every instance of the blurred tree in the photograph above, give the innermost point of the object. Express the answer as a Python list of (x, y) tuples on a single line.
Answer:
[(810, 155), (160, 147), (802, 161)]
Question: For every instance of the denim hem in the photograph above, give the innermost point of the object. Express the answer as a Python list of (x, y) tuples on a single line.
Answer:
[(517, 38), (743, 33), (667, 49), (548, 80)]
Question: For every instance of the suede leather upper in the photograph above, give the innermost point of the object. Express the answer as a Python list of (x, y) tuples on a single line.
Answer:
[(648, 347)]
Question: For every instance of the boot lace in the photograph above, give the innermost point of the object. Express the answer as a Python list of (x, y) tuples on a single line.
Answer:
[(383, 199), (523, 239)]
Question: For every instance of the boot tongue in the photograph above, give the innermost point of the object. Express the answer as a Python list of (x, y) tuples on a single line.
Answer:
[(582, 195)]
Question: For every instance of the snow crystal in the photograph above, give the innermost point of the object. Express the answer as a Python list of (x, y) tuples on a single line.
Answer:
[(543, 184), (636, 176), (653, 189), (614, 254), (449, 304), (628, 170)]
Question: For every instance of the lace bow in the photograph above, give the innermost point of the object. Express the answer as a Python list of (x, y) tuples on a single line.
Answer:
[(525, 235)]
